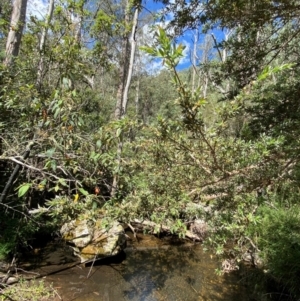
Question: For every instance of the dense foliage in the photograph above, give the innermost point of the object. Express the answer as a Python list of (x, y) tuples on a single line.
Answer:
[(217, 143)]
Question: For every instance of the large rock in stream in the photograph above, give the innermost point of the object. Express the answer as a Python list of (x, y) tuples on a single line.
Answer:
[(90, 241)]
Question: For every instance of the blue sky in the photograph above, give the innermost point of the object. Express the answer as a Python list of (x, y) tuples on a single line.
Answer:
[(188, 37), (39, 8)]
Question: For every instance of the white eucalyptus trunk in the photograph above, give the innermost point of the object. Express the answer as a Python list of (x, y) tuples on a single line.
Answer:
[(131, 61), (16, 31), (125, 81), (194, 59), (42, 44)]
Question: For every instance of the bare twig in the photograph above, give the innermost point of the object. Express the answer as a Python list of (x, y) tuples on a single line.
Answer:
[(27, 272), (252, 244), (133, 230), (91, 267), (57, 294)]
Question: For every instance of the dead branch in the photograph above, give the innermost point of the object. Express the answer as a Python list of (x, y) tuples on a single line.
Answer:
[(165, 228), (133, 230)]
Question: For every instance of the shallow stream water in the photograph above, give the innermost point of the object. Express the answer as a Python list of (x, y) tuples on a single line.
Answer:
[(150, 271)]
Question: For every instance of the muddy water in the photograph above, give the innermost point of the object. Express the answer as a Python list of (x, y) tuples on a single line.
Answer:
[(150, 271)]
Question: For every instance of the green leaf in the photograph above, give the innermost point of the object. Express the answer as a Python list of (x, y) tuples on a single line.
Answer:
[(53, 165), (22, 190), (63, 182), (50, 152), (99, 143), (148, 50), (118, 132), (83, 191), (269, 71)]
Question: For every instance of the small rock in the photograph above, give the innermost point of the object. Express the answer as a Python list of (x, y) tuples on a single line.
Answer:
[(12, 280)]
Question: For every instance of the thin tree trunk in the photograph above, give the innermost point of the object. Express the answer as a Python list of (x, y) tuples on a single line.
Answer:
[(138, 64), (123, 67), (137, 97), (131, 62), (120, 92), (16, 31), (42, 45), (223, 57), (205, 86), (122, 107), (194, 59)]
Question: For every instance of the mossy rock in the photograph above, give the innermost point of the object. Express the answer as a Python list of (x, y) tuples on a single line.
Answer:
[(92, 241)]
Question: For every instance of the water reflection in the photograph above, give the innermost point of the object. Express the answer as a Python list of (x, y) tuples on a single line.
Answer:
[(174, 273)]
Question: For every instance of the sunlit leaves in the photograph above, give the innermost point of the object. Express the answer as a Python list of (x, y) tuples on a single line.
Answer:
[(165, 48), (83, 191), (269, 71), (23, 189)]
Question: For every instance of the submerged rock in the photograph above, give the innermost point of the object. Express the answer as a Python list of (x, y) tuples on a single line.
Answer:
[(91, 241)]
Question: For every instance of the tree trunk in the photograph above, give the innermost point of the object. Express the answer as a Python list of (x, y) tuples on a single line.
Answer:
[(123, 67), (42, 45), (137, 97), (16, 30), (194, 59), (124, 87), (131, 61)]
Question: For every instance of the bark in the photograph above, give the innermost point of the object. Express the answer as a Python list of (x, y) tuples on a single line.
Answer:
[(16, 31), (132, 56), (122, 74)]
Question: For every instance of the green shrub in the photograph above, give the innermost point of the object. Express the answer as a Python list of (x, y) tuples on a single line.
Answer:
[(28, 291), (279, 240), (17, 230)]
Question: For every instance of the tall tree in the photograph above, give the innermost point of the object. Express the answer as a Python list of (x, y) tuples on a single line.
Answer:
[(16, 30), (126, 76), (42, 44)]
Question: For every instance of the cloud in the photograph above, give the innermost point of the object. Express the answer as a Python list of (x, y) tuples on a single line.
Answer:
[(155, 67), (186, 53)]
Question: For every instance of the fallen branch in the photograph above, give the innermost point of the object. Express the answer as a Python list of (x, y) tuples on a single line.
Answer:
[(165, 228), (32, 168), (133, 231)]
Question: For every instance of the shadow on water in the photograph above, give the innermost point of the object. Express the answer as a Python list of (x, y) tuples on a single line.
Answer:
[(150, 273)]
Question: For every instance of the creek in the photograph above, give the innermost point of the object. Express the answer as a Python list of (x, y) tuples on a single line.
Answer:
[(151, 270)]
